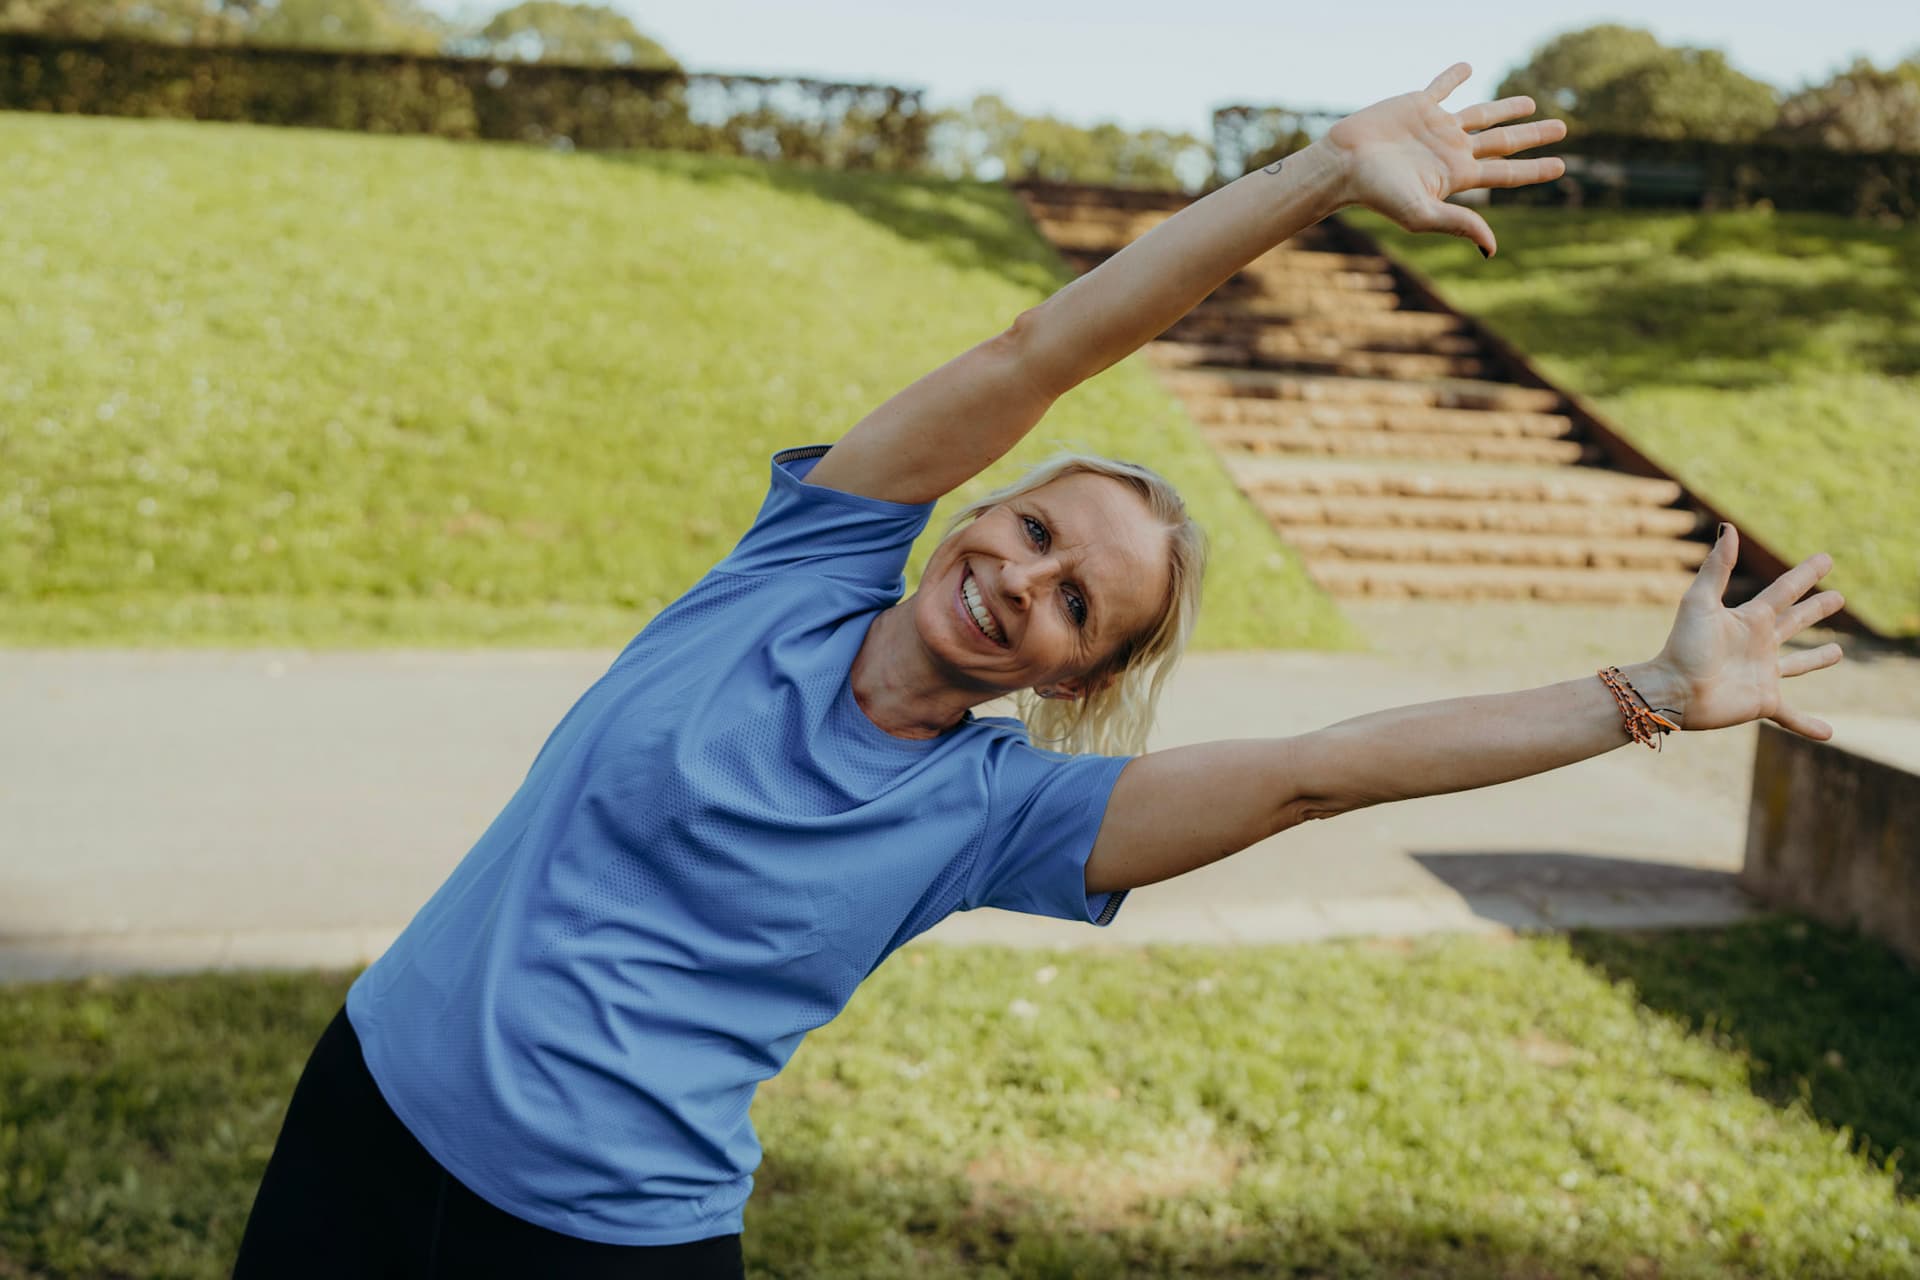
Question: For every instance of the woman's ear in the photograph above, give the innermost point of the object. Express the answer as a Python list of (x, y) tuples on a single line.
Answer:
[(1077, 687)]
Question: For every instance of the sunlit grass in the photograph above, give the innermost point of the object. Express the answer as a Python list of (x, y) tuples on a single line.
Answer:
[(1769, 361), (1735, 1103), (287, 387)]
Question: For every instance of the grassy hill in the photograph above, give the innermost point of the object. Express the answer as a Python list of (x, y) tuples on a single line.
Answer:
[(1769, 361), (270, 386)]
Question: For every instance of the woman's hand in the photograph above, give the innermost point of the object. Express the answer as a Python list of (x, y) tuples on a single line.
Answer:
[(1405, 156), (1728, 661)]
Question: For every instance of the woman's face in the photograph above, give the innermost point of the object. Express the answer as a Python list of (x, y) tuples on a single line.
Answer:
[(1043, 587)]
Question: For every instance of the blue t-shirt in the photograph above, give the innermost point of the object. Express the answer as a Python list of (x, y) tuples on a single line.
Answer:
[(709, 854)]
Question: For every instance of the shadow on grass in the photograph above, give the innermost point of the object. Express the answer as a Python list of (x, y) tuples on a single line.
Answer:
[(812, 1217), (1719, 301), (973, 225), (1737, 333), (1827, 1017)]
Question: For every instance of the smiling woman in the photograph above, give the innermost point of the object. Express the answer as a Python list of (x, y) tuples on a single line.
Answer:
[(1130, 626), (782, 779)]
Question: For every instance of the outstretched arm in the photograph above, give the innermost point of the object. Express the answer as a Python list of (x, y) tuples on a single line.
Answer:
[(1176, 811), (1402, 157)]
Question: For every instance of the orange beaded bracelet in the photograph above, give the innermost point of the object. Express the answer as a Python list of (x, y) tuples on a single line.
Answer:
[(1645, 722)]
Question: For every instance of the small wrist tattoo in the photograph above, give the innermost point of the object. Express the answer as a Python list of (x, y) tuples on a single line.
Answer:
[(1275, 166)]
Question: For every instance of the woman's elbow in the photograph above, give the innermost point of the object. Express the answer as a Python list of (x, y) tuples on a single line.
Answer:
[(1312, 809), (1025, 346)]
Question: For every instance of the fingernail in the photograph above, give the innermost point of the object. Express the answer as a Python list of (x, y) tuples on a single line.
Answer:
[(1483, 251), (1723, 532)]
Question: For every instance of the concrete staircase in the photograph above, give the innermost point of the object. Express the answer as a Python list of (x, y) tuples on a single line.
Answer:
[(1400, 448)]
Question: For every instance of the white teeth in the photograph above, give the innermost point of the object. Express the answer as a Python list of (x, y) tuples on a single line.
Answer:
[(970, 591)]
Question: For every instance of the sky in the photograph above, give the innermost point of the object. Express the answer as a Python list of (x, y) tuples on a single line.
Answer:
[(1144, 64)]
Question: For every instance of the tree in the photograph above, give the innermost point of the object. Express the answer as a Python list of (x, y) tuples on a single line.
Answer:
[(1861, 109), (556, 31), (990, 139), (402, 26), (1616, 79), (1686, 93), (1564, 71)]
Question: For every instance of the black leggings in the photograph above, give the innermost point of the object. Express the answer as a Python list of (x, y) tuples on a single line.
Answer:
[(349, 1192)]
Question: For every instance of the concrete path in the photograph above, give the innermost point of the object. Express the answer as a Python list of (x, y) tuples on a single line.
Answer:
[(169, 811)]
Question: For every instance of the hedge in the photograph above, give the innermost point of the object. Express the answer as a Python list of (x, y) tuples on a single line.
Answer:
[(842, 126), (1618, 170)]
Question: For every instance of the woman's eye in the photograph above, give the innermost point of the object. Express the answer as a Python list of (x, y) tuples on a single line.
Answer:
[(1036, 531), (1077, 609)]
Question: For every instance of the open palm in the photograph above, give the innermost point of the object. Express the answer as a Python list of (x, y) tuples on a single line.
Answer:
[(1730, 658), (1403, 157)]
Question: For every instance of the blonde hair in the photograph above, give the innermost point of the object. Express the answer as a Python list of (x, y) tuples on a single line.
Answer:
[(1115, 717)]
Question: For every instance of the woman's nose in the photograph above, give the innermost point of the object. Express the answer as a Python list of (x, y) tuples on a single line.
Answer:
[(1021, 578)]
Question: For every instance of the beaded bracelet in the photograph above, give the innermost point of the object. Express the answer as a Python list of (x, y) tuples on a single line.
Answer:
[(1644, 722)]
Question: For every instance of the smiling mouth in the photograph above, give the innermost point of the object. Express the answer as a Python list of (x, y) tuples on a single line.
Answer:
[(977, 610)]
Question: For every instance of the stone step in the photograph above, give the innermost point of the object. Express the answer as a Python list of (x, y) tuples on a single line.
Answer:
[(1308, 339), (1279, 282), (1349, 362), (1249, 412), (1414, 365), (1477, 482), (1079, 222), (1436, 546), (1356, 327), (1081, 237), (1437, 393), (1293, 258), (1580, 519), (1385, 580), (1401, 444), (1302, 300), (1254, 307)]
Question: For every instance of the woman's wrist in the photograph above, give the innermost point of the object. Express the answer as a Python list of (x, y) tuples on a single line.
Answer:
[(1318, 172), (1662, 687)]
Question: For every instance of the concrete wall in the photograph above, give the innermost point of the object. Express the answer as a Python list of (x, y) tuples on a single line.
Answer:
[(1836, 836)]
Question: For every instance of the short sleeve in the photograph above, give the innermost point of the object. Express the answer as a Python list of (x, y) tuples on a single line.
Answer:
[(1045, 813), (810, 528)]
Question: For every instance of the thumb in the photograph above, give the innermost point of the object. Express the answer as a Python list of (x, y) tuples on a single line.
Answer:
[(1458, 220)]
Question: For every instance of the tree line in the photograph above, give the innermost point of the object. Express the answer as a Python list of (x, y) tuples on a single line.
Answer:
[(1613, 79), (1607, 79), (533, 30)]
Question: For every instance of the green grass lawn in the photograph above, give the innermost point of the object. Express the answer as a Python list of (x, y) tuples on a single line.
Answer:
[(271, 386), (1731, 1103), (1770, 361)]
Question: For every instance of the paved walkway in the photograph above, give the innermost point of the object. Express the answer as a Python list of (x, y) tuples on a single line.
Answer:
[(169, 811)]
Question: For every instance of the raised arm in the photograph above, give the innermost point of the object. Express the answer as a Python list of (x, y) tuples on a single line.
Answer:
[(1178, 810), (1402, 157)]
